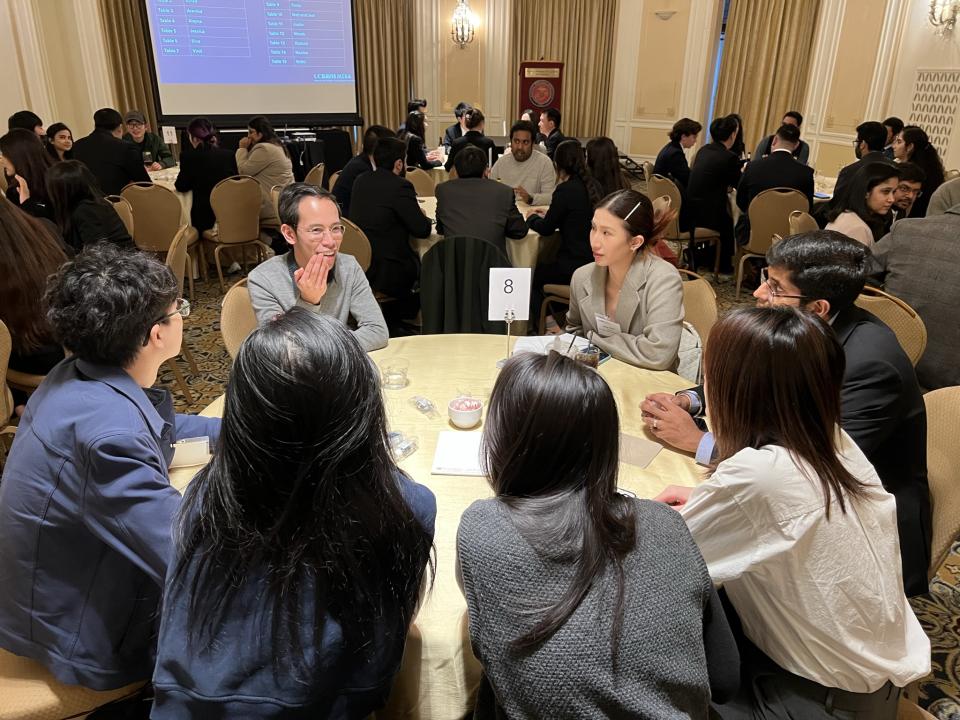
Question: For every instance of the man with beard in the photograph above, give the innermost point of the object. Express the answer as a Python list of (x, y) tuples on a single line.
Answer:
[(530, 174)]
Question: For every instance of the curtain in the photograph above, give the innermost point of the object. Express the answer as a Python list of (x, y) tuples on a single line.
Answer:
[(384, 59), (123, 23), (765, 63), (581, 36)]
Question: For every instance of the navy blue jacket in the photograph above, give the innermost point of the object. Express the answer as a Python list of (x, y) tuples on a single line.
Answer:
[(672, 163), (237, 680), (86, 508)]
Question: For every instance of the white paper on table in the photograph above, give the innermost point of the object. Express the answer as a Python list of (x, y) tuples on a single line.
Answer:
[(458, 453), (509, 292), (169, 134), (545, 343), (191, 451)]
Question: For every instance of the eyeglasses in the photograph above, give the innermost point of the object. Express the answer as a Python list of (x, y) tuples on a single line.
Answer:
[(183, 310), (765, 280), (907, 190), (318, 231)]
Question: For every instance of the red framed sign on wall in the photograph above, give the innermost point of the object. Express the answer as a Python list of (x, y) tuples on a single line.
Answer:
[(541, 85)]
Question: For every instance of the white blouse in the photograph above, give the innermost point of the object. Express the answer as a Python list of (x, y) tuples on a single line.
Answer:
[(851, 225), (823, 598)]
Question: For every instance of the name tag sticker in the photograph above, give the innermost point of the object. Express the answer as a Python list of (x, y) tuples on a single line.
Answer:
[(607, 327), (191, 451)]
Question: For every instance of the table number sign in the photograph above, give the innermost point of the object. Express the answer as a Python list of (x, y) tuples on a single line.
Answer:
[(509, 294)]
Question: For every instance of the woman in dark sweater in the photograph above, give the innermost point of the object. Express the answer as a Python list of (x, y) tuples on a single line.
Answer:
[(25, 164), (582, 602), (414, 135), (201, 168), (81, 211)]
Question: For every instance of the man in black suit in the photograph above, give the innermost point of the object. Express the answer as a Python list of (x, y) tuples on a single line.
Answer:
[(715, 170), (358, 165), (457, 129), (475, 206), (671, 161), (894, 127), (114, 162), (881, 405), (550, 127), (384, 205), (778, 169), (473, 121), (868, 147)]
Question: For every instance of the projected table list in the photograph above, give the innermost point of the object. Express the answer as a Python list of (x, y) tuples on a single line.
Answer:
[(203, 28), (307, 33)]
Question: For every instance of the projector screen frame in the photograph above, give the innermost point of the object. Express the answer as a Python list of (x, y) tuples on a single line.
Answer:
[(237, 120)]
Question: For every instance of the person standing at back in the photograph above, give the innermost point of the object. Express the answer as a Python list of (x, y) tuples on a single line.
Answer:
[(671, 161), (201, 167), (154, 151), (114, 162), (262, 156), (473, 205), (358, 165), (582, 602)]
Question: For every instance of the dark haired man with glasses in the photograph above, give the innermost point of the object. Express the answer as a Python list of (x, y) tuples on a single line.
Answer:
[(314, 274), (86, 505), (882, 408)]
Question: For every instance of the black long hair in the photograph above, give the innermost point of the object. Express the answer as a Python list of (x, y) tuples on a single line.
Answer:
[(550, 449), (302, 496), (30, 160), (69, 183), (854, 198), (568, 157), (925, 155), (603, 161), (203, 130), (262, 125)]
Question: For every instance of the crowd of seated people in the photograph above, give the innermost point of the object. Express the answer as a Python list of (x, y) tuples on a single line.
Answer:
[(815, 512)]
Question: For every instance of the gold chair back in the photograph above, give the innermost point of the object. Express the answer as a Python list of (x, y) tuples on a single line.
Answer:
[(647, 170), (236, 205), (699, 304), (951, 174), (177, 257), (124, 210), (943, 470), (6, 397), (333, 181), (422, 182), (658, 186), (356, 243), (802, 222), (769, 214), (156, 215), (315, 176), (237, 319), (905, 322)]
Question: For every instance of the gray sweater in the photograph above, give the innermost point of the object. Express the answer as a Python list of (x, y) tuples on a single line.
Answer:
[(673, 626), (273, 291), (536, 175)]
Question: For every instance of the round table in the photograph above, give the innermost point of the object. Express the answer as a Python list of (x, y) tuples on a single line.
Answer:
[(439, 675)]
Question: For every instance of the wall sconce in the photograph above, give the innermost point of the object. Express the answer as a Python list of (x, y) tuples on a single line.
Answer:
[(463, 26), (665, 14), (943, 14)]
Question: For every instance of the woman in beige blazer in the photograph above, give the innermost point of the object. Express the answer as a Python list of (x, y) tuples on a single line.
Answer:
[(261, 156), (628, 302)]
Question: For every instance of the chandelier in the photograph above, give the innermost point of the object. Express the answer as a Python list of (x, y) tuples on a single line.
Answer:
[(943, 14), (463, 26)]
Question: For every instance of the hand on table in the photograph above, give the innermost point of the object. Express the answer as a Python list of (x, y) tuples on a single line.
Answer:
[(433, 155), (675, 496), (154, 166), (537, 211), (311, 279), (668, 417), (522, 194)]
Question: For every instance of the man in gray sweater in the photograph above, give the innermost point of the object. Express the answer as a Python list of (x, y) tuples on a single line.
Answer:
[(530, 174), (314, 275)]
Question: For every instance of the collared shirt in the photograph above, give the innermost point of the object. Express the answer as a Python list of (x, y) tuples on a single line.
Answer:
[(823, 598)]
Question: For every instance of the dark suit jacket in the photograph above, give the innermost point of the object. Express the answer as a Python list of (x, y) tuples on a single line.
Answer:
[(672, 163), (417, 154), (358, 165), (554, 139), (452, 133), (570, 212), (715, 169), (472, 137), (480, 208), (114, 162), (385, 207), (883, 411), (200, 171), (846, 174), (779, 169)]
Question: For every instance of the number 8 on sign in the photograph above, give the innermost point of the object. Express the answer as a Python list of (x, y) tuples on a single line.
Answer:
[(509, 293)]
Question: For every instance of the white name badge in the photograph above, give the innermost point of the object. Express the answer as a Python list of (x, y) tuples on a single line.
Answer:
[(191, 451), (509, 293), (607, 327)]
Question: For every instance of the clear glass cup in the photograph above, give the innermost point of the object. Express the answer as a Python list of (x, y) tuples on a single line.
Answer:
[(394, 373), (590, 355)]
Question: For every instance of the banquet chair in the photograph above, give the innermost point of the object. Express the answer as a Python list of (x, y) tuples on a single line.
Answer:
[(943, 470), (907, 710), (905, 322), (356, 243), (769, 214), (659, 186), (553, 294), (275, 197), (802, 222), (6, 397), (315, 176), (177, 262), (157, 220), (29, 690), (333, 181), (237, 318), (236, 204), (699, 304), (422, 182), (951, 174), (24, 382), (647, 170), (124, 210)]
